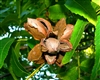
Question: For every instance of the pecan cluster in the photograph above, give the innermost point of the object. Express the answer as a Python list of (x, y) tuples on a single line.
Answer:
[(54, 41)]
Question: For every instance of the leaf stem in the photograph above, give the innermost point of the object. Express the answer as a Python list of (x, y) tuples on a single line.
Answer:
[(33, 73), (78, 60), (21, 40)]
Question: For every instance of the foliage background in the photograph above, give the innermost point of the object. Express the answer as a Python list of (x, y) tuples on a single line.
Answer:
[(82, 63)]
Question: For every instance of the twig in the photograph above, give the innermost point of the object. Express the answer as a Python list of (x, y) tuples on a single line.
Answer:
[(33, 73), (83, 47), (5, 75)]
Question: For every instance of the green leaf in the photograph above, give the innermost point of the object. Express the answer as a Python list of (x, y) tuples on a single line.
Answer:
[(56, 12), (96, 7), (17, 67), (96, 1), (71, 74), (75, 39), (83, 8), (40, 11), (9, 19), (47, 2), (18, 33), (19, 8), (12, 73), (97, 48), (17, 49), (4, 10), (4, 48), (27, 5), (32, 43), (86, 65)]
